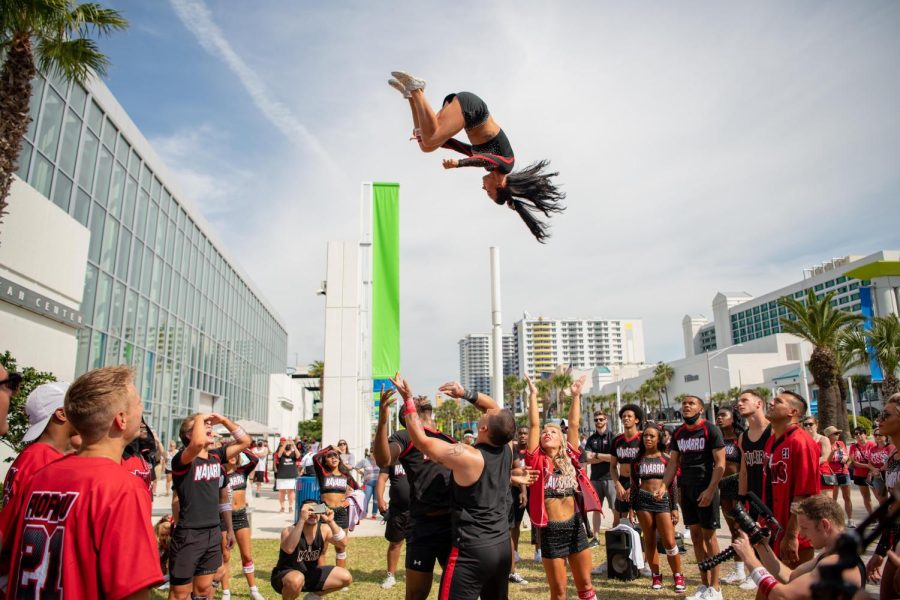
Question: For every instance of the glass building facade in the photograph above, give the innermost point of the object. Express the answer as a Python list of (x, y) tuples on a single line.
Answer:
[(159, 294)]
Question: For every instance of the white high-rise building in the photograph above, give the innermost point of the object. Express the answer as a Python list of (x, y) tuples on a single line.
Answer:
[(544, 344), (475, 370)]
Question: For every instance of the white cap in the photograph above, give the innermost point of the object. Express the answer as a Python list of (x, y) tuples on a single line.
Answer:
[(42, 402)]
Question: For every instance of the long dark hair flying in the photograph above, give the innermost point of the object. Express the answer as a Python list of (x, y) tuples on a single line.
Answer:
[(529, 192)]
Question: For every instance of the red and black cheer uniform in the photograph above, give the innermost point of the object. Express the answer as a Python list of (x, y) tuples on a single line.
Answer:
[(494, 154), (728, 485), (860, 454), (481, 557), (756, 460), (626, 450), (335, 483), (429, 537), (237, 480), (304, 558), (84, 533), (791, 472), (397, 516), (516, 511), (651, 467), (134, 461), (196, 547), (695, 447), (34, 457)]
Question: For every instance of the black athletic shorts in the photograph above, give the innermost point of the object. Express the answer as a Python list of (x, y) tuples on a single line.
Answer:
[(860, 481), (559, 539), (342, 516), (707, 516), (475, 111), (313, 579), (516, 512), (428, 540), (644, 501), (397, 526), (194, 552), (728, 487), (239, 519), (622, 506), (478, 572), (842, 479), (259, 476)]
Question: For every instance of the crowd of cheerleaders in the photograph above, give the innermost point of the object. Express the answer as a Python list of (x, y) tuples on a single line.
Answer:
[(74, 522)]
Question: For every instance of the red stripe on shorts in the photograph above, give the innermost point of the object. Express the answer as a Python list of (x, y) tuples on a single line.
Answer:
[(448, 575)]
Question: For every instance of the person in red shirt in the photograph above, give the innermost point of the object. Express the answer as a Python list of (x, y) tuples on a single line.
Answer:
[(860, 450), (878, 458), (791, 472), (838, 461), (84, 530), (49, 437)]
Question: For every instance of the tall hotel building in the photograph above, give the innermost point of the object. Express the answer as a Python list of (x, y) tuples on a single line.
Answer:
[(475, 360), (103, 261)]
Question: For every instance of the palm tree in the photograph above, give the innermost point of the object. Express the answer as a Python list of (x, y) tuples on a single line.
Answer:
[(884, 338), (470, 414), (820, 323), (447, 414), (512, 389), (57, 34), (850, 353), (544, 391), (663, 374), (317, 369), (559, 381)]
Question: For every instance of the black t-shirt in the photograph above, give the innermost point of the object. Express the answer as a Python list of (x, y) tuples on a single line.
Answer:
[(197, 485), (286, 466), (398, 494), (755, 459), (429, 482), (626, 449), (599, 443), (695, 449), (480, 514)]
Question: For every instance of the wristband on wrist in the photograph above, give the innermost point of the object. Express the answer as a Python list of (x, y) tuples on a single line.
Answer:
[(239, 433), (767, 584), (470, 395), (339, 535), (409, 407), (225, 507)]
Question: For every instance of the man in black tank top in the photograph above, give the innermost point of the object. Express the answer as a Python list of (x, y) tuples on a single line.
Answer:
[(480, 476), (753, 443), (822, 522), (302, 545)]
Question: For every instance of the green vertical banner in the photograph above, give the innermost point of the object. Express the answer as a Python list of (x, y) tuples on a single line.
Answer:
[(385, 282)]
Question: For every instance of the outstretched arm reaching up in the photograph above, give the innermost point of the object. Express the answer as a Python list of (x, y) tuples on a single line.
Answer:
[(482, 402), (575, 411), (534, 416)]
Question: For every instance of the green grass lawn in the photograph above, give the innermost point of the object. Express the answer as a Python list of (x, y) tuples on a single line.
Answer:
[(367, 563)]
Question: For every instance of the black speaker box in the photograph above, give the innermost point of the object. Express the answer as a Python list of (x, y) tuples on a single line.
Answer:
[(618, 556)]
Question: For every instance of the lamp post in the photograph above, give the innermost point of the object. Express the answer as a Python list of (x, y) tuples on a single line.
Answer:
[(709, 371), (727, 370)]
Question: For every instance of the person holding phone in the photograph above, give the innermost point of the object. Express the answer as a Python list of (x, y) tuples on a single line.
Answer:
[(286, 459), (301, 557)]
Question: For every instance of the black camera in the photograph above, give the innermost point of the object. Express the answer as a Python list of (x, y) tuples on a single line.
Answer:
[(756, 532)]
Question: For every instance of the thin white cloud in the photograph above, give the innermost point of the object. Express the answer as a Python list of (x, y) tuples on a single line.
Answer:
[(197, 18)]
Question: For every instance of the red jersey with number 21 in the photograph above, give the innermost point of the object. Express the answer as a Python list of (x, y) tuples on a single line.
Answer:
[(792, 472), (84, 533)]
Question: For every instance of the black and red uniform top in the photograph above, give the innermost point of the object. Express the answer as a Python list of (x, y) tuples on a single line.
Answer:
[(332, 483), (625, 448), (84, 533), (33, 458), (756, 461), (480, 514), (237, 478), (429, 482), (791, 472), (197, 486), (732, 451), (134, 462), (651, 467), (695, 445), (398, 494)]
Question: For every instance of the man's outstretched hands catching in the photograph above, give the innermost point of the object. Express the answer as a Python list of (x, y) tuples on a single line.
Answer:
[(402, 386), (387, 399), (454, 389)]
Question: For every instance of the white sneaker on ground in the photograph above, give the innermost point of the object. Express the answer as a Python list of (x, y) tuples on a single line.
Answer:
[(226, 594), (748, 584), (255, 595), (399, 87), (736, 576), (646, 572), (712, 594), (599, 569), (388, 582), (516, 578), (311, 596), (701, 589), (537, 555), (409, 82)]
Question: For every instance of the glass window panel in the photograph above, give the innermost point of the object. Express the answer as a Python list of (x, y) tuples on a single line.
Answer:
[(124, 252), (24, 161), (140, 327), (59, 82), (154, 191), (118, 305), (170, 242), (134, 277), (129, 202), (98, 349), (37, 92), (150, 235), (51, 123), (109, 135), (146, 271), (95, 117), (145, 177), (101, 304), (81, 207), (152, 333), (122, 149), (116, 189), (130, 313), (84, 340), (62, 192), (88, 159), (128, 353), (140, 219), (110, 242), (98, 220), (42, 175), (90, 289), (77, 98), (70, 135), (166, 285), (156, 278), (147, 387), (104, 169), (161, 234)]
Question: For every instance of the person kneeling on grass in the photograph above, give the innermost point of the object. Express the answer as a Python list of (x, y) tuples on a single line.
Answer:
[(301, 558)]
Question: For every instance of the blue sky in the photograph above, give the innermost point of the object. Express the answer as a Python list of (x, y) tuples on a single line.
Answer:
[(704, 147)]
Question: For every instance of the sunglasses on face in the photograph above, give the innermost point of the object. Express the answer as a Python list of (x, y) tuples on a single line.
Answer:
[(12, 382), (884, 415), (809, 424), (600, 419)]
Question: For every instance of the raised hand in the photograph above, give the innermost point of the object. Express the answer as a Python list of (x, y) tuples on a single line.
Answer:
[(450, 163), (402, 386), (453, 389), (387, 398), (575, 388), (531, 387)]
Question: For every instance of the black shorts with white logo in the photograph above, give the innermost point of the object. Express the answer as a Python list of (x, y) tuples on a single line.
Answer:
[(313, 579), (194, 552), (623, 506), (429, 540), (397, 526)]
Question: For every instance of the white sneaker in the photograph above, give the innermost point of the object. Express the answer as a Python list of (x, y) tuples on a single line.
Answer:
[(388, 582), (736, 576), (599, 569), (712, 594), (698, 595), (311, 596), (399, 87), (748, 584), (409, 82), (255, 595), (537, 555), (516, 578), (646, 572), (226, 594)]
